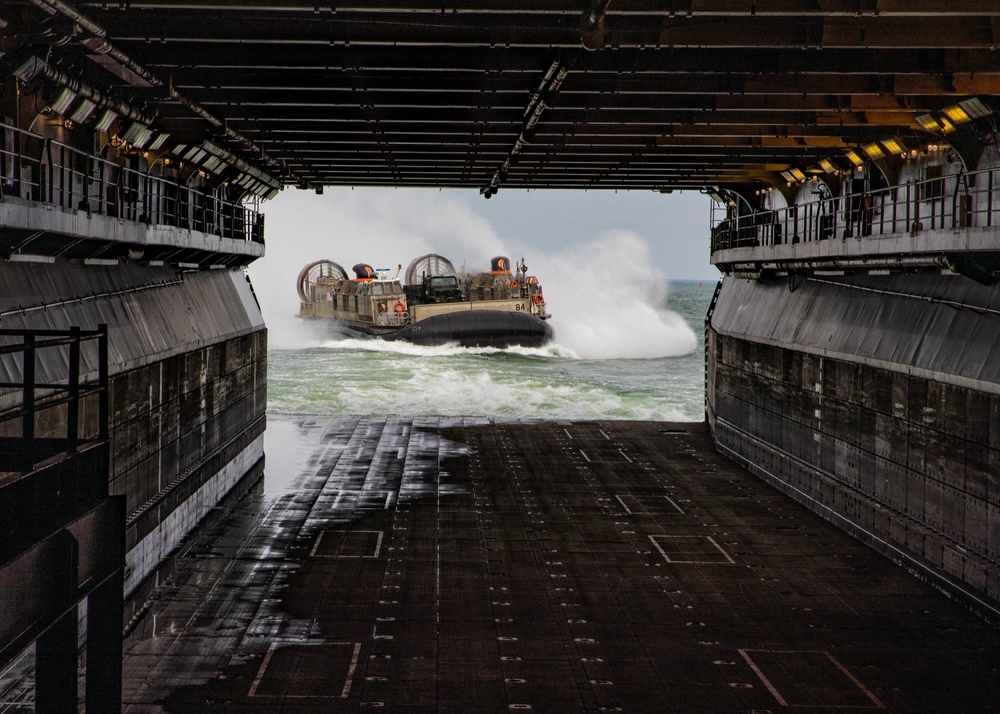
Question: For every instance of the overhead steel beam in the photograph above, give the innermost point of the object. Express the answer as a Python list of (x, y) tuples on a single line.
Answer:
[(487, 27), (624, 62), (728, 8), (98, 42)]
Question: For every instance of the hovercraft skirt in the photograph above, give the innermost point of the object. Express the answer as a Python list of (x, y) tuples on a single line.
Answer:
[(468, 328)]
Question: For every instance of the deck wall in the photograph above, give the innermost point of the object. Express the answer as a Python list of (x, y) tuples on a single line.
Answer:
[(188, 365), (874, 400)]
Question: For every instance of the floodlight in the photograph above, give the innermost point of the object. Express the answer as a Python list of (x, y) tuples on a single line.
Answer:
[(894, 146), (827, 165), (975, 108), (137, 134), (63, 102), (83, 112), (106, 120), (928, 122), (873, 150), (957, 114)]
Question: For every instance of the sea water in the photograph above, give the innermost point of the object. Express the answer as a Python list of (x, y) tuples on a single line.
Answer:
[(631, 354)]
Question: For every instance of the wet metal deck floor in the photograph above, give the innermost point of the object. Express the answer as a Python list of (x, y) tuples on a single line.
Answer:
[(462, 565)]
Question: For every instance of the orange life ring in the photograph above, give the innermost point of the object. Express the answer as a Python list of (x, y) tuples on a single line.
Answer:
[(399, 307), (515, 284), (538, 299)]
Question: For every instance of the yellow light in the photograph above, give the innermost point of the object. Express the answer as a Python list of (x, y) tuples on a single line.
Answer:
[(874, 151), (928, 122), (894, 146), (798, 174), (957, 114), (975, 108), (854, 157), (946, 126), (827, 166)]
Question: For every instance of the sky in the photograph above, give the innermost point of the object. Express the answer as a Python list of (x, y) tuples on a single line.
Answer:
[(596, 234)]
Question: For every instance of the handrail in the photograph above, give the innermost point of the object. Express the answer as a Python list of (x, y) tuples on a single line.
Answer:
[(37, 168), (956, 201), (20, 452)]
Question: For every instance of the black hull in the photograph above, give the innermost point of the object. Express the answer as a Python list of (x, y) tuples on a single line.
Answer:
[(471, 328)]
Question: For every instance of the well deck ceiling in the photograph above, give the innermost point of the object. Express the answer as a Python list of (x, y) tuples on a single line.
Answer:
[(624, 94)]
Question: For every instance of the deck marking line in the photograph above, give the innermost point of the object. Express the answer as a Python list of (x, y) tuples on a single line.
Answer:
[(350, 671), (260, 672), (674, 504), (867, 692), (378, 545), (303, 643), (710, 540), (765, 680), (729, 560), (620, 451), (627, 509), (567, 433), (858, 684), (584, 455), (315, 547)]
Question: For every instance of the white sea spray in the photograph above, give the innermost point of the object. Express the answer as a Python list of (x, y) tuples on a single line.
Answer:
[(553, 382)]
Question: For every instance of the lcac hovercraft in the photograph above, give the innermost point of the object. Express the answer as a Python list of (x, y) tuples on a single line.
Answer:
[(434, 305)]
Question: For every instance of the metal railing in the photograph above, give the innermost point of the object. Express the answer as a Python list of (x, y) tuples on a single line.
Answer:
[(950, 202), (36, 168), (20, 452)]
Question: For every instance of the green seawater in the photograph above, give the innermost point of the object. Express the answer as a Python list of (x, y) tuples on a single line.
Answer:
[(573, 378)]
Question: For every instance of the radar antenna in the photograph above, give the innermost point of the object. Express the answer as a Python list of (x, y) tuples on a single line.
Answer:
[(322, 272), (430, 264)]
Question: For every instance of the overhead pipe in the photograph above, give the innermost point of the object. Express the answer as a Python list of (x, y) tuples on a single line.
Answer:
[(596, 16), (101, 45), (552, 80), (236, 162), (592, 26), (92, 94), (36, 67)]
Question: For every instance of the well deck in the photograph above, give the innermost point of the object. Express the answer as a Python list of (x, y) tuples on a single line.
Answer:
[(470, 565)]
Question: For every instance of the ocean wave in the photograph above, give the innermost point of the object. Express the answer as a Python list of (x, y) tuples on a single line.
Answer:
[(399, 347)]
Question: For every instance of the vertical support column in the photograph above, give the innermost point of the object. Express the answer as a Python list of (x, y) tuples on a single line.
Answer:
[(28, 389), (56, 650), (73, 413), (104, 622), (989, 199), (55, 667), (103, 382), (47, 186), (104, 646)]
